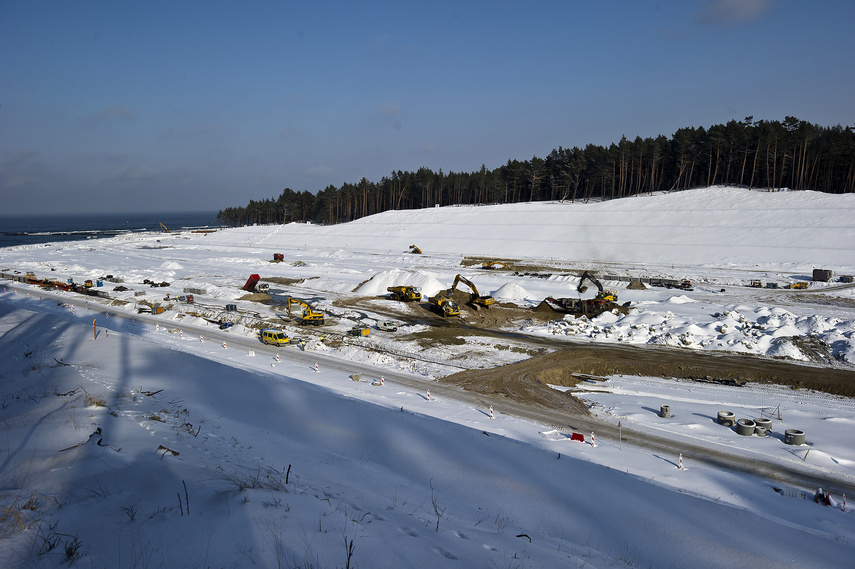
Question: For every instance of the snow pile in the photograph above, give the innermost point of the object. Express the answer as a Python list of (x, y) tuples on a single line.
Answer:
[(377, 285), (762, 331), (512, 292)]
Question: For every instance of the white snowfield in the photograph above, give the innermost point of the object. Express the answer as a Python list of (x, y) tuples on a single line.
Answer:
[(167, 442)]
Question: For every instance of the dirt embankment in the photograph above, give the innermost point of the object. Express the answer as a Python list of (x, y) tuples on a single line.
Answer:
[(527, 380)]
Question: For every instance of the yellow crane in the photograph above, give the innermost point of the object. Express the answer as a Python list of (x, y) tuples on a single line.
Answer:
[(310, 315)]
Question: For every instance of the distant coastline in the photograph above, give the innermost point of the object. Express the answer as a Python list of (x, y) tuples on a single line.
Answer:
[(37, 229)]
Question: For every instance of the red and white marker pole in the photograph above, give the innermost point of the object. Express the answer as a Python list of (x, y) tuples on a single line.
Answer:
[(382, 379), (181, 334), (316, 367), (681, 462), (201, 339), (224, 344), (157, 327), (491, 411), (94, 330), (277, 357), (428, 394), (133, 322), (593, 444)]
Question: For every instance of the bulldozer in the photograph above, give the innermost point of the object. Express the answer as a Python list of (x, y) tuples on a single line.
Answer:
[(310, 315), (405, 293), (495, 265), (476, 299), (444, 306)]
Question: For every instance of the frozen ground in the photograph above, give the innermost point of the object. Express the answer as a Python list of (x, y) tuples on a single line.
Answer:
[(210, 456)]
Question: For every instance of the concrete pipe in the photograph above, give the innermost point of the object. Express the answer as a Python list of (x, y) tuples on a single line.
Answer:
[(726, 418), (794, 437), (665, 411), (745, 427), (765, 423), (760, 431)]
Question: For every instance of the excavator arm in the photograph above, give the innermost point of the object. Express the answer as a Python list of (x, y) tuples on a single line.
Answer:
[(588, 276), (476, 298), (310, 315)]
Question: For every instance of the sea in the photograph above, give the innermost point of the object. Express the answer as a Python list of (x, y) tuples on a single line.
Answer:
[(37, 229)]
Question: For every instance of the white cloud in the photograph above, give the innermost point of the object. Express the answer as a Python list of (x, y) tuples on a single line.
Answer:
[(733, 11)]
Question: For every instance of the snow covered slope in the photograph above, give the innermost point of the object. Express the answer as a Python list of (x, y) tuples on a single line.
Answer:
[(715, 226)]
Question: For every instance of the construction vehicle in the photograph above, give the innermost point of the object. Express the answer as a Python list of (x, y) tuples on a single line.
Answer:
[(164, 229), (756, 284), (494, 265), (602, 295), (605, 301), (682, 285), (476, 299), (359, 331), (251, 282), (405, 293), (444, 306), (278, 257), (310, 315), (799, 285), (415, 250)]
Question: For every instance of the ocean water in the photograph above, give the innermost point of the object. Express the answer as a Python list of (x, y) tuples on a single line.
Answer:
[(35, 229)]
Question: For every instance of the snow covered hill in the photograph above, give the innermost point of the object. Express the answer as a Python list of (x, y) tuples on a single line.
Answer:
[(712, 227)]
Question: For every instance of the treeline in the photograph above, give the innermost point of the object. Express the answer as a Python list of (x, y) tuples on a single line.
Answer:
[(754, 154)]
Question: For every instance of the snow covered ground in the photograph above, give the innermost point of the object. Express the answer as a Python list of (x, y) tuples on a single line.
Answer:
[(215, 453)]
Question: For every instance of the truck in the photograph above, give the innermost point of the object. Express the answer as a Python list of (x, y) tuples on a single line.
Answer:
[(444, 306), (405, 293), (253, 284)]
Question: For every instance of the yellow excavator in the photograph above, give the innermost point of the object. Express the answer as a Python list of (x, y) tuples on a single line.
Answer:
[(476, 299), (603, 295), (444, 306), (415, 250), (495, 265), (405, 293), (310, 315), (163, 228)]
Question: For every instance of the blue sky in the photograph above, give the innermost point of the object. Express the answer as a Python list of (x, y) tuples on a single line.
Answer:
[(191, 105)]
